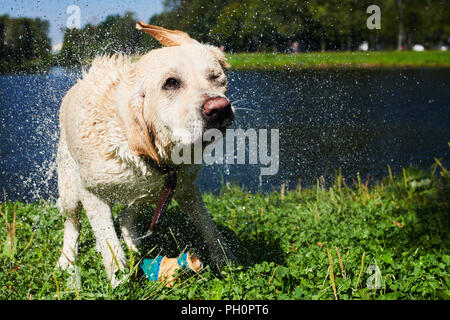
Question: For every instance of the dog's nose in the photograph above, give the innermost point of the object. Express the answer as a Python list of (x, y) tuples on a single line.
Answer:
[(215, 107)]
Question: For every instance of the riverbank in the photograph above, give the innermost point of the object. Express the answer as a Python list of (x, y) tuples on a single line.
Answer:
[(249, 61), (350, 241), (282, 61)]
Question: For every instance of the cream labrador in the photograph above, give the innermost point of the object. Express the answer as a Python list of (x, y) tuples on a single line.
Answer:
[(119, 124)]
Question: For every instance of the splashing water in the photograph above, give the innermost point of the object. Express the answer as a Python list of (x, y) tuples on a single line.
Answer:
[(357, 120), (30, 133)]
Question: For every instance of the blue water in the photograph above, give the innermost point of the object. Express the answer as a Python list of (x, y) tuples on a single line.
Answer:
[(359, 120)]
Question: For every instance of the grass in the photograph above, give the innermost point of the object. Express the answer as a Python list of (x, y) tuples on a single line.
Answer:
[(248, 61), (386, 240)]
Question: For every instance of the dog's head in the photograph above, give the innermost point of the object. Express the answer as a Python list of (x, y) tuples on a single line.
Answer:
[(178, 92)]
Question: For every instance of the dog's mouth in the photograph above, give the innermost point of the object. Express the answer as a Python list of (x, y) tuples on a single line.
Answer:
[(220, 124)]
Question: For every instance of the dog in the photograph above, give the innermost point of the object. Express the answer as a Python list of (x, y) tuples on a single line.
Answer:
[(118, 126)]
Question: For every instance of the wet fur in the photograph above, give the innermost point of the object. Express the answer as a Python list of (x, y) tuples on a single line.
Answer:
[(112, 118)]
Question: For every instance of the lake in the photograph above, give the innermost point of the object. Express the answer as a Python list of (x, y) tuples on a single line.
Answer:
[(356, 120)]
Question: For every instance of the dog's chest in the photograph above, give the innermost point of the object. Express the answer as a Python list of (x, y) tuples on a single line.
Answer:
[(126, 183)]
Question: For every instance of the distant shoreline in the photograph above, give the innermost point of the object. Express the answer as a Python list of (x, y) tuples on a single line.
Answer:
[(288, 61), (323, 60)]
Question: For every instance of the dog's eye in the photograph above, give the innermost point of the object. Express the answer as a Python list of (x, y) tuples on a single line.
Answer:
[(214, 76), (171, 84)]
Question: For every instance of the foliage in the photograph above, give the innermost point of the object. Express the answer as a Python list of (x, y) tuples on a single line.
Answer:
[(384, 241), (238, 26), (24, 44), (116, 34), (272, 25)]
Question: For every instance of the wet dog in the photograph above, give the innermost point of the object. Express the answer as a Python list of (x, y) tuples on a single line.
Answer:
[(118, 125)]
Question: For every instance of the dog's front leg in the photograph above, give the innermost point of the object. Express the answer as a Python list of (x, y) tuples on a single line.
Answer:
[(190, 200), (100, 218), (128, 223)]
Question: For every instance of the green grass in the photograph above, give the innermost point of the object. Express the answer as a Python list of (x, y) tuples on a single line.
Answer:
[(244, 61), (397, 228)]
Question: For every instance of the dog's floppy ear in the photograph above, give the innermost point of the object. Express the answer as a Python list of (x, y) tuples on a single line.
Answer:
[(141, 136), (168, 38)]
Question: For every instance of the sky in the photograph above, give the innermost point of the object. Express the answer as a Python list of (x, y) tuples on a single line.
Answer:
[(93, 11)]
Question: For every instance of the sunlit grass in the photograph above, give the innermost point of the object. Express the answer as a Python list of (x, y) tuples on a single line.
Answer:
[(338, 59), (308, 243)]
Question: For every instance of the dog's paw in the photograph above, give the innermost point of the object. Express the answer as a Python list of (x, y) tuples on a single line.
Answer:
[(223, 258), (118, 280), (64, 263), (74, 280)]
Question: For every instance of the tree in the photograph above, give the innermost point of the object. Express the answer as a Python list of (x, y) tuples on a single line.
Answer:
[(24, 43), (255, 25), (116, 34)]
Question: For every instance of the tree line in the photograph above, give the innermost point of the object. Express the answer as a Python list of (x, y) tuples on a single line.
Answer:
[(251, 26), (272, 25), (24, 44)]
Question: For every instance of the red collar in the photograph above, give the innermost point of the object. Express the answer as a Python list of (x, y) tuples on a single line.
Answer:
[(165, 197)]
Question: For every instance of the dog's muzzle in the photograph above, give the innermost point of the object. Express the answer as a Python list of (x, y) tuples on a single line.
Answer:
[(217, 112)]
